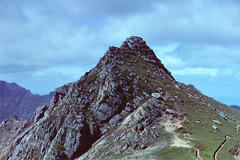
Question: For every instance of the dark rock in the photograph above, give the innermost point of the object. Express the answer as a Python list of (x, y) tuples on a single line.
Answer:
[(222, 115), (170, 111), (198, 122), (214, 127), (124, 113), (13, 118), (40, 112), (217, 122), (116, 119), (104, 112)]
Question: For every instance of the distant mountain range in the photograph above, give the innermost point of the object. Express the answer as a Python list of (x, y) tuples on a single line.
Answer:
[(235, 107), (16, 100)]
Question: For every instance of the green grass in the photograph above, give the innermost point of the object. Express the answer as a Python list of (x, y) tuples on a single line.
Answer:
[(6, 155), (112, 156), (175, 153), (229, 146), (204, 137), (59, 147)]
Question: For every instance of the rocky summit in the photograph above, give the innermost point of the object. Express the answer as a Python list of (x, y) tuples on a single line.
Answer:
[(128, 107)]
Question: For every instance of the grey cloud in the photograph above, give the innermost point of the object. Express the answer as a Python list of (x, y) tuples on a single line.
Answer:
[(11, 11), (208, 56), (37, 35), (82, 8), (200, 24), (16, 69), (43, 42), (110, 8)]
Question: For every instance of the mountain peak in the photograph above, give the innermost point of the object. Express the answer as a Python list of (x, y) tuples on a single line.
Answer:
[(134, 42), (132, 51)]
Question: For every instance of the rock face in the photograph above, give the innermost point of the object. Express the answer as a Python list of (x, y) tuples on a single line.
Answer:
[(136, 131), (9, 130), (15, 100), (116, 108)]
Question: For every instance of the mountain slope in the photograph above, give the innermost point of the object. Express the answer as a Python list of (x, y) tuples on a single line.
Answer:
[(15, 100), (235, 107), (128, 107)]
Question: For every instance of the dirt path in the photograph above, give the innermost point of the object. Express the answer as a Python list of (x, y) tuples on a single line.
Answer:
[(170, 126), (197, 154), (235, 133), (223, 143), (219, 148)]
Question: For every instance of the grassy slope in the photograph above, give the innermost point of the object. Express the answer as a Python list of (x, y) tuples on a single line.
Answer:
[(204, 137), (198, 107)]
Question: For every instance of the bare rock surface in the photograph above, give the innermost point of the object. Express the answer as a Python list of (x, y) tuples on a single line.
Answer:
[(9, 130)]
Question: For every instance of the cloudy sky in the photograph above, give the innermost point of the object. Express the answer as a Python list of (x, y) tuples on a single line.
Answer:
[(47, 43)]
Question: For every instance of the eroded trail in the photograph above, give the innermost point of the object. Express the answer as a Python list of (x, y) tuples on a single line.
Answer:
[(171, 126), (223, 143), (197, 154), (219, 148)]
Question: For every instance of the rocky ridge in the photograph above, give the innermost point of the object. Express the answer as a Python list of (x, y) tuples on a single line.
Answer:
[(121, 107), (15, 100)]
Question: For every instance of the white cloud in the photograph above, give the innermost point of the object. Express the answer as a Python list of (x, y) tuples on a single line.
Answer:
[(65, 34), (172, 62), (186, 22), (161, 50)]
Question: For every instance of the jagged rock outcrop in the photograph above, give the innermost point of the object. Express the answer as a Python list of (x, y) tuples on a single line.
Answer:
[(236, 152), (135, 132), (9, 130), (15, 100), (121, 106)]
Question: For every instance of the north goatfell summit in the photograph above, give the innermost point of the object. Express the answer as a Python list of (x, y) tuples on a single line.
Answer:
[(128, 107)]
